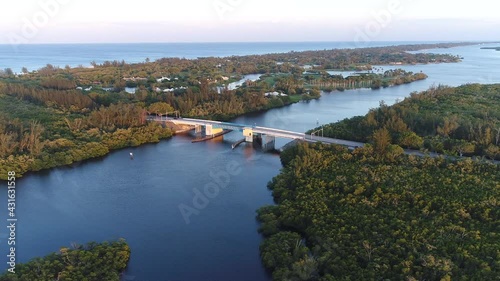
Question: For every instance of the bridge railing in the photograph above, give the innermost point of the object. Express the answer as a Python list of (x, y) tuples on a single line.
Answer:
[(232, 126)]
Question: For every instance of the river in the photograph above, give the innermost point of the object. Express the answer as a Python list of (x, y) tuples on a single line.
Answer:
[(139, 199)]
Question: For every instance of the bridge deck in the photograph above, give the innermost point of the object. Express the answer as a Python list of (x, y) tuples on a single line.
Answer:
[(283, 134), (256, 129)]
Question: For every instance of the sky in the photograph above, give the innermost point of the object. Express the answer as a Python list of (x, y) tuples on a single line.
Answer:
[(111, 21)]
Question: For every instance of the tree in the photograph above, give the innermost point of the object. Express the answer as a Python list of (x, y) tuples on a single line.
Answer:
[(364, 218), (92, 262), (449, 126), (464, 147), (160, 108), (381, 140), (410, 140), (8, 144), (493, 151), (31, 140), (376, 84), (9, 72), (393, 152)]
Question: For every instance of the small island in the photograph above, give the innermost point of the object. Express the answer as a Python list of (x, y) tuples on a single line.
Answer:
[(491, 48), (92, 262)]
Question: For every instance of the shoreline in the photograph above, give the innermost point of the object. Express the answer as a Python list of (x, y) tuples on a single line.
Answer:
[(84, 150), (184, 131), (174, 133), (334, 45)]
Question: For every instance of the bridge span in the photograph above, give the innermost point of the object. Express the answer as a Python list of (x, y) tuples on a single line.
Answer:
[(264, 135)]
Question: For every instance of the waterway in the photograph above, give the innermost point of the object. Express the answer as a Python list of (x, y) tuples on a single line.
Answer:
[(116, 197)]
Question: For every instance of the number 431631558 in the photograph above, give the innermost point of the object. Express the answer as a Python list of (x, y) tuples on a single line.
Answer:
[(12, 193)]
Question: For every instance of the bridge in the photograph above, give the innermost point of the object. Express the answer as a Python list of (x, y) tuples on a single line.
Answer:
[(264, 135)]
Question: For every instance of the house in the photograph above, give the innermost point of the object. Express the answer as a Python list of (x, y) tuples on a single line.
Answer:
[(135, 79), (174, 89), (275, 94), (163, 79)]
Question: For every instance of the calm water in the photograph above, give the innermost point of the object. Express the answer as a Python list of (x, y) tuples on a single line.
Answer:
[(36, 56), (139, 199)]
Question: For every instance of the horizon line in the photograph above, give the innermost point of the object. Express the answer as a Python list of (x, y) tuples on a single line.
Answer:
[(252, 42)]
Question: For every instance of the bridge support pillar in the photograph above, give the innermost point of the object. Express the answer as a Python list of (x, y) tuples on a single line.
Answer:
[(197, 129), (248, 134), (208, 130), (268, 142)]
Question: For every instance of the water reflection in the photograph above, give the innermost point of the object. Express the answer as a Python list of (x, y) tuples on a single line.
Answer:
[(138, 200)]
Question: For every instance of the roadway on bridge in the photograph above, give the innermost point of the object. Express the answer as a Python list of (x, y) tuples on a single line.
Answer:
[(284, 134), (258, 130), (348, 143)]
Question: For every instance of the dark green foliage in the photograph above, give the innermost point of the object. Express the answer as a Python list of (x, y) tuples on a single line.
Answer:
[(364, 217), (45, 121), (58, 97), (460, 121), (92, 262), (288, 259), (62, 138), (58, 83)]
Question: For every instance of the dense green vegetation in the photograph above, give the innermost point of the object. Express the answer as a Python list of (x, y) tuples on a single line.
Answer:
[(368, 215), (393, 77), (459, 121), (35, 136), (91, 262), (57, 116)]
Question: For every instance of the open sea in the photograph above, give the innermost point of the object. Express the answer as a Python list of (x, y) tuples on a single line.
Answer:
[(36, 56)]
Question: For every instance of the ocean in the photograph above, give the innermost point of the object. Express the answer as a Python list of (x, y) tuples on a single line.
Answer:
[(35, 56)]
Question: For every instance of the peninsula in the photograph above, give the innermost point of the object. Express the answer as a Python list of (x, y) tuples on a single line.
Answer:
[(57, 116)]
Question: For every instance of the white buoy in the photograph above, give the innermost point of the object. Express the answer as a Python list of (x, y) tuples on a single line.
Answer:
[(131, 155)]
